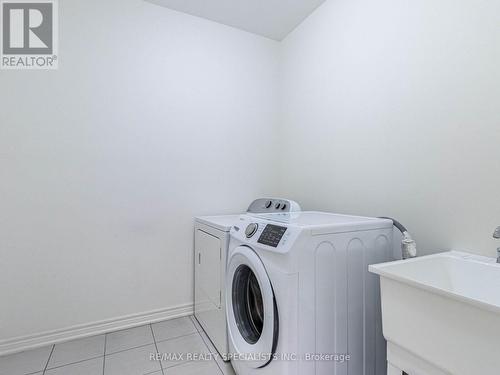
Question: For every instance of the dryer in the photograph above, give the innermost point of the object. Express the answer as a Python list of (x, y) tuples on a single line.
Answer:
[(299, 297), (211, 241)]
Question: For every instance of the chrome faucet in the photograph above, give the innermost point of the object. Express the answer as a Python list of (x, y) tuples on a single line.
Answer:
[(496, 234)]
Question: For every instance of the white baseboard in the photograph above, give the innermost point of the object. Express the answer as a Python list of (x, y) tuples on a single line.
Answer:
[(20, 344)]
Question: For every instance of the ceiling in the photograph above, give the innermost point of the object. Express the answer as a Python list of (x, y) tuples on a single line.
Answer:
[(274, 19)]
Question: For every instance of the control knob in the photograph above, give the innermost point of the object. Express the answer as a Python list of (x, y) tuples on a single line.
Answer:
[(251, 229)]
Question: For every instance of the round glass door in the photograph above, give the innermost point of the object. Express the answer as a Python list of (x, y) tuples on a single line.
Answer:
[(252, 313), (248, 306)]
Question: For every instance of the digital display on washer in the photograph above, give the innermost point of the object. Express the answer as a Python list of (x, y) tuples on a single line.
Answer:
[(271, 235)]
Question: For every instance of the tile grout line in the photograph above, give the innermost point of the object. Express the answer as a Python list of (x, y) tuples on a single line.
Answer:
[(180, 364), (140, 346), (74, 363), (132, 348), (156, 346), (178, 337), (216, 363), (143, 345), (48, 360), (105, 354), (192, 318), (104, 359), (47, 368)]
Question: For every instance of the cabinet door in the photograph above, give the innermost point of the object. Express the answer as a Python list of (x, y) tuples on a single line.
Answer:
[(208, 270)]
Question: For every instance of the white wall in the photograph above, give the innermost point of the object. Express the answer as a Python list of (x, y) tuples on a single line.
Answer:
[(387, 108), (392, 108), (104, 163)]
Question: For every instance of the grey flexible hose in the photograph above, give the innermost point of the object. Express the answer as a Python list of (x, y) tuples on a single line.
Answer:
[(408, 245), (396, 223)]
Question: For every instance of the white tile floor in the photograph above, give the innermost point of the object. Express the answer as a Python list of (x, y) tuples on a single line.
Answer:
[(124, 353)]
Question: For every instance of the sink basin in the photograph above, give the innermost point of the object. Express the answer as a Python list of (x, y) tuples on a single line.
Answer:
[(441, 314)]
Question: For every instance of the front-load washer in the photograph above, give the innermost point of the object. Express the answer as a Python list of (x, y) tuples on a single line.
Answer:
[(299, 297), (211, 241)]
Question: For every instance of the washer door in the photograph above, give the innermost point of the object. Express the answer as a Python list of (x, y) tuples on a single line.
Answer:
[(252, 313)]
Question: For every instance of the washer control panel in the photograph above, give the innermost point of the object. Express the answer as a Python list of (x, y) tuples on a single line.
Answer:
[(272, 235), (265, 234), (270, 205)]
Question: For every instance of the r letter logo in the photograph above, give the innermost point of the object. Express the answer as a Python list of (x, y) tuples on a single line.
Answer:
[(29, 34)]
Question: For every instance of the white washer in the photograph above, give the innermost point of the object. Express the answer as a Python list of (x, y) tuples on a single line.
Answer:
[(211, 241), (298, 288)]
